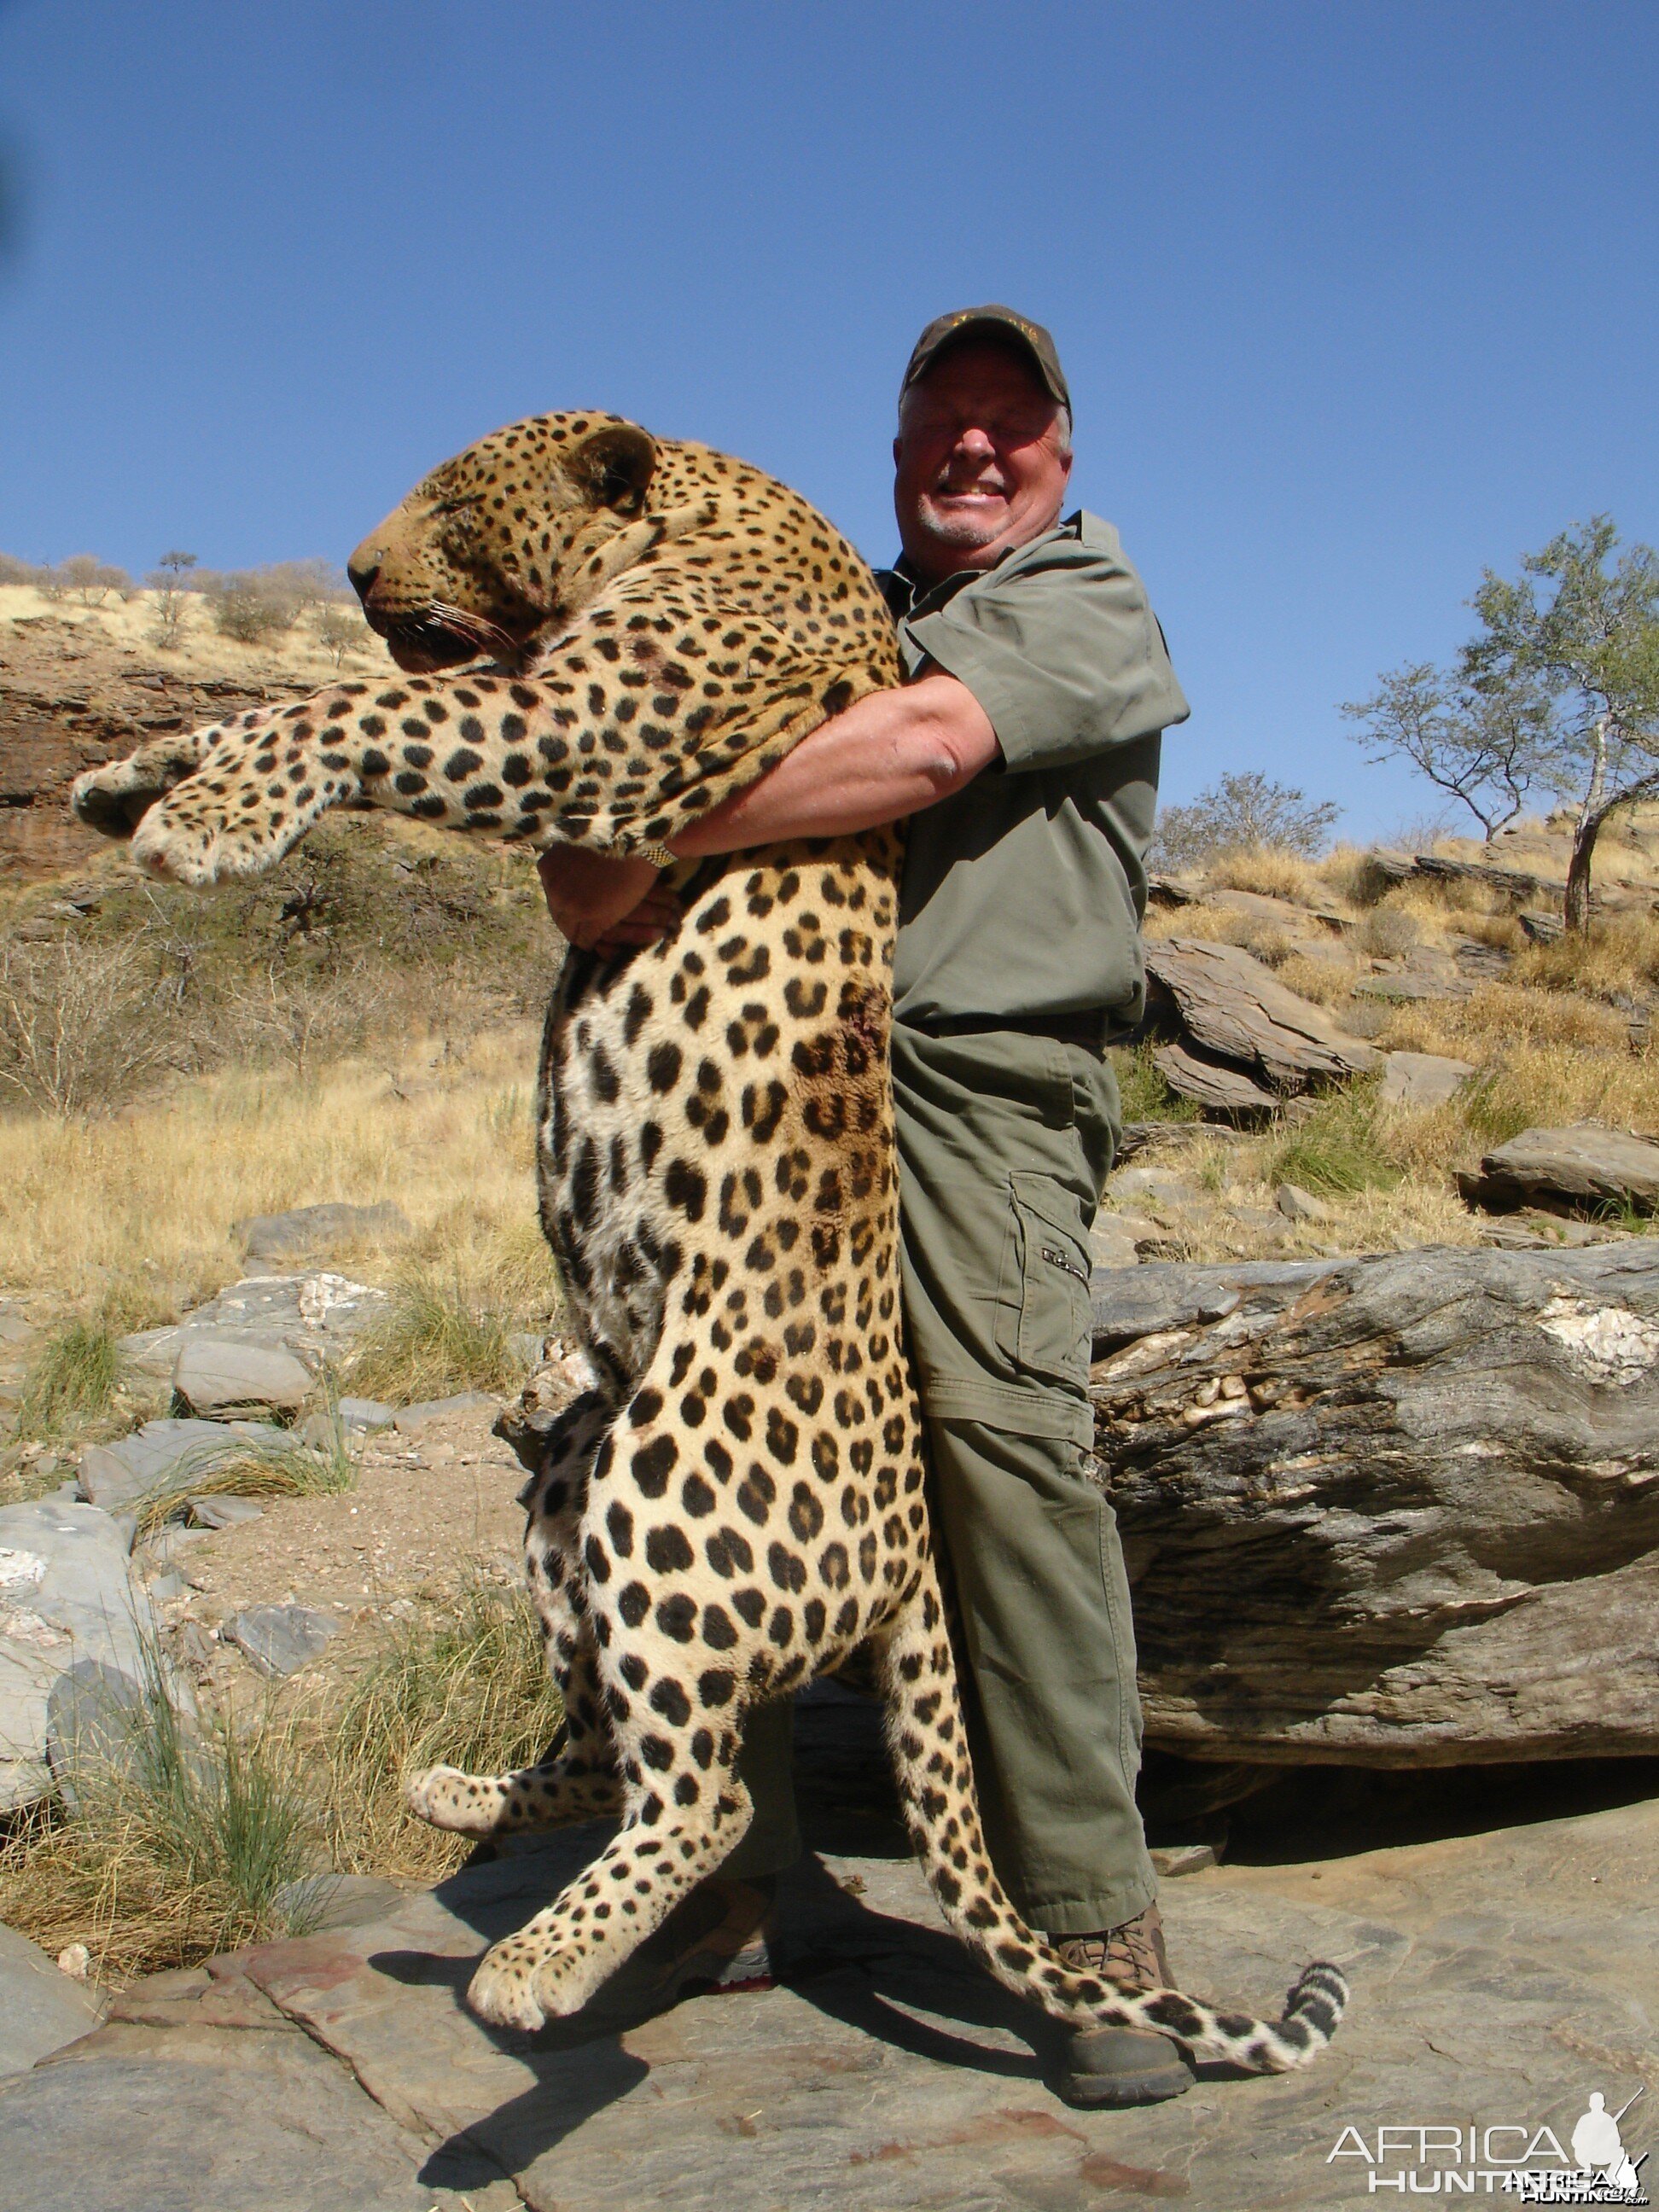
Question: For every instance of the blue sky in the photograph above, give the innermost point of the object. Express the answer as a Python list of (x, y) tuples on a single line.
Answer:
[(1354, 299)]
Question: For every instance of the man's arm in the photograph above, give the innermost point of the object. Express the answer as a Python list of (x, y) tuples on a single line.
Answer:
[(886, 757)]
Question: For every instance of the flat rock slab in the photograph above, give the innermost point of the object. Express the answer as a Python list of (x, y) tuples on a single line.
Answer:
[(72, 1624), (279, 1639), (223, 1378), (40, 2008), (1211, 1083), (1582, 1166), (1236, 1009), (1499, 1980), (1422, 1078), (168, 1455), (319, 1229), (318, 1317)]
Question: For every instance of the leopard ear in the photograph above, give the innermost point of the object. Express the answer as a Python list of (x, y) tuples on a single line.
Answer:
[(615, 465)]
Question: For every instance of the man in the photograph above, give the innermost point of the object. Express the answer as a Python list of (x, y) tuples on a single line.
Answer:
[(1022, 750)]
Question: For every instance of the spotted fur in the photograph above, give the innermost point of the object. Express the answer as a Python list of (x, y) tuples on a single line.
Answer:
[(738, 1503)]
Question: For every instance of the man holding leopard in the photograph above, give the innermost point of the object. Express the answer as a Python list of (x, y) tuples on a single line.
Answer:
[(1022, 753)]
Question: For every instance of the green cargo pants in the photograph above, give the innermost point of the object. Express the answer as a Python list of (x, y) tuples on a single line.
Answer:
[(1004, 1143)]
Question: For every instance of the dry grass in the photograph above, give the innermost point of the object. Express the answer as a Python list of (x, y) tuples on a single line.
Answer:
[(463, 1685), (137, 1212), (180, 1838), (1272, 873)]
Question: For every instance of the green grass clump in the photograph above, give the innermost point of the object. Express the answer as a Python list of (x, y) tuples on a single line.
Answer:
[(1146, 1096), (72, 1380), (463, 1684), (1338, 1151), (1494, 1109), (430, 1343), (171, 1841)]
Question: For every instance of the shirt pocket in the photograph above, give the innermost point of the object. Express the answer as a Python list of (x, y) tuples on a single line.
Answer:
[(1043, 1315)]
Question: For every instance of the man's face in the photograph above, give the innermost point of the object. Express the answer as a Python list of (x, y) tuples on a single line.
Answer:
[(981, 460)]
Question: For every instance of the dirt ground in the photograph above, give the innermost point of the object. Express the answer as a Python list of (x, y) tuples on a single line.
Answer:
[(427, 1513)]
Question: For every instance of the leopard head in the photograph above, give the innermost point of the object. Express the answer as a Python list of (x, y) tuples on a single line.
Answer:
[(491, 547)]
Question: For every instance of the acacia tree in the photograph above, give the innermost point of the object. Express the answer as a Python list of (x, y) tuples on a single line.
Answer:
[(1582, 637), (1486, 746)]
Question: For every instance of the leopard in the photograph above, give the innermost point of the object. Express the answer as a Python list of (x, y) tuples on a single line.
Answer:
[(600, 634)]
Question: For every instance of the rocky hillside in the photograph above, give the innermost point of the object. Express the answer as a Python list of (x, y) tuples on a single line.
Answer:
[(83, 684)]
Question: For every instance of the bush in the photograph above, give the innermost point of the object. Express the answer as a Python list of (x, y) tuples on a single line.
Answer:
[(14, 571), (248, 608), (81, 1026), (92, 580), (1244, 812)]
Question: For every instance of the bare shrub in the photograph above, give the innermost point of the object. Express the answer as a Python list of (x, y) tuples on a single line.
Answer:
[(14, 571), (80, 1027), (1245, 812), (1386, 932), (171, 582), (91, 580), (340, 632)]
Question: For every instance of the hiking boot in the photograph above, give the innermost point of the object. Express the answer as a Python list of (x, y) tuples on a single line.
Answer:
[(1112, 2066), (716, 1940)]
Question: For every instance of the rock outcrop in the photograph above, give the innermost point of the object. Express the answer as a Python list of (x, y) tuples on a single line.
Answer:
[(1399, 1510)]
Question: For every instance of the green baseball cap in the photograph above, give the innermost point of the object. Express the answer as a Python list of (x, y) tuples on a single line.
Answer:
[(1001, 324)]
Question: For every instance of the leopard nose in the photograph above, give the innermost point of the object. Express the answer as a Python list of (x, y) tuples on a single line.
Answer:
[(363, 568)]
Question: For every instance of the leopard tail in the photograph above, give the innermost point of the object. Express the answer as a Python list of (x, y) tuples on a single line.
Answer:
[(935, 1778)]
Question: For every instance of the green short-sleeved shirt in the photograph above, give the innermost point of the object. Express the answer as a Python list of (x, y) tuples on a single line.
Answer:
[(1022, 894)]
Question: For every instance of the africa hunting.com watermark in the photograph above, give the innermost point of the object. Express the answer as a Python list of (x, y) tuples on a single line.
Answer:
[(1524, 2159)]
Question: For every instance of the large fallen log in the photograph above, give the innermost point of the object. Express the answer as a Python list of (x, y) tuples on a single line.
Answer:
[(1393, 1511)]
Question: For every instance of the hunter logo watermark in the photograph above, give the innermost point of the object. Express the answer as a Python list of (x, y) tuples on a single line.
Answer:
[(1521, 2158)]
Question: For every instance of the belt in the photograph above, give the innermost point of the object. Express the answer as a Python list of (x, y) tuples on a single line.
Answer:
[(1092, 1031)]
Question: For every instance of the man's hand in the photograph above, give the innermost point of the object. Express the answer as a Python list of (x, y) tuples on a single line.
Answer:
[(604, 905)]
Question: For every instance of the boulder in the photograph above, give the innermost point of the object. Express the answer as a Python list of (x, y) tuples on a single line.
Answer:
[(1236, 1010), (224, 1376), (1572, 1169), (279, 1639), (72, 1624), (1421, 1078), (41, 2009), (309, 1230), (1394, 1511)]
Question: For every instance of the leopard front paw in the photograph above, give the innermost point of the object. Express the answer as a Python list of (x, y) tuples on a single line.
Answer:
[(114, 800)]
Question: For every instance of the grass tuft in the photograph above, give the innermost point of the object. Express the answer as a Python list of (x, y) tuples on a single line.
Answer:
[(1338, 1150), (463, 1684), (72, 1380), (171, 1843), (432, 1343), (247, 1468)]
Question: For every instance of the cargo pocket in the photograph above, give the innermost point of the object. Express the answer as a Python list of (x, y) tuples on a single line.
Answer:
[(1042, 1308)]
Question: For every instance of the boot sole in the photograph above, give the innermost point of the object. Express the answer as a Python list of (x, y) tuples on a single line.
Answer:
[(1111, 2092)]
